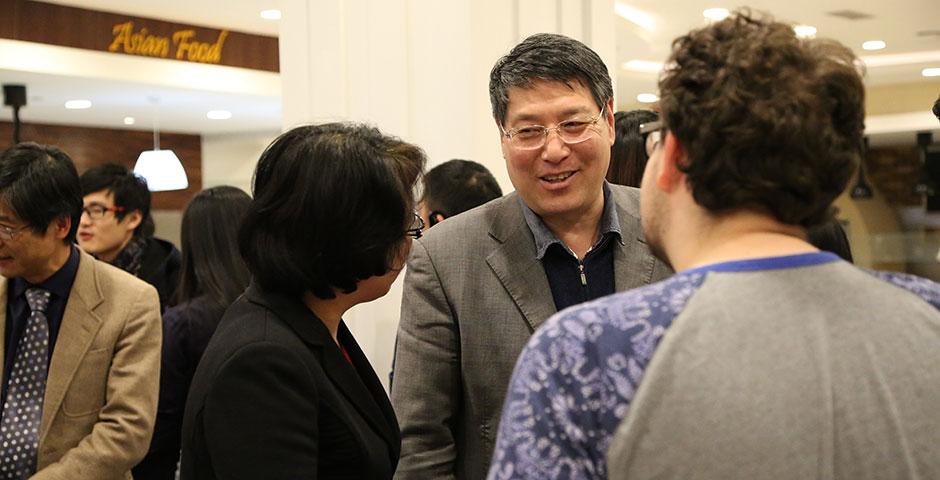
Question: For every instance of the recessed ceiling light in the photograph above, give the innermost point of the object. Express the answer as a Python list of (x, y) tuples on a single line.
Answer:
[(874, 45), (218, 114), (129, 120), (930, 72), (77, 104), (647, 98), (804, 31), (272, 14), (892, 59), (715, 14), (635, 16), (643, 66)]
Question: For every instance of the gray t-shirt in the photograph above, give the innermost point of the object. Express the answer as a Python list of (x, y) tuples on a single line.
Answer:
[(824, 372)]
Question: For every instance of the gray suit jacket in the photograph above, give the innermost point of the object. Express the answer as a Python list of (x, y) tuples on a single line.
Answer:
[(474, 293)]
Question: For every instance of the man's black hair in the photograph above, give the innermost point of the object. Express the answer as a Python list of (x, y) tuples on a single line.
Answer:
[(129, 190), (40, 184), (456, 186), (552, 57)]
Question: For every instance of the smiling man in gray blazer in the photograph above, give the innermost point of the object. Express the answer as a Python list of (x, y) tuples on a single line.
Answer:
[(479, 284)]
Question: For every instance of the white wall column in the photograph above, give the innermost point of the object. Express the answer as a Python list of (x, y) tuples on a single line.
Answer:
[(418, 69)]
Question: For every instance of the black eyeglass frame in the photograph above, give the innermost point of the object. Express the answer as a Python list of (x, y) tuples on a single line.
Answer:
[(416, 231), (104, 210)]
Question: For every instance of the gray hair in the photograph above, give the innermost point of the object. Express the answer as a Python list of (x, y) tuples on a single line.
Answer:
[(547, 56)]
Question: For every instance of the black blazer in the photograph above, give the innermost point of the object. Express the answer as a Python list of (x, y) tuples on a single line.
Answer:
[(273, 397)]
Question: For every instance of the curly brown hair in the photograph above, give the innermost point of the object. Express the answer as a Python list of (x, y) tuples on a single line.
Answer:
[(770, 122)]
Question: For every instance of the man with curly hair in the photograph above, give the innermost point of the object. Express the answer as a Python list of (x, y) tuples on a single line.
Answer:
[(762, 357)]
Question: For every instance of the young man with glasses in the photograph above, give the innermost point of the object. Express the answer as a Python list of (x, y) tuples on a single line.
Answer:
[(80, 339), (116, 227), (762, 358), (479, 285)]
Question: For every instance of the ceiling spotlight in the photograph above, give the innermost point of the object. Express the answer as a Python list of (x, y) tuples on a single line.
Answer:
[(635, 16), (930, 72), (874, 45), (804, 31), (78, 104), (715, 14), (647, 98), (129, 120), (272, 14), (218, 114), (644, 66)]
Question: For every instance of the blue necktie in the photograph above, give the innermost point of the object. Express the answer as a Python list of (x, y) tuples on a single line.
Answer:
[(22, 411)]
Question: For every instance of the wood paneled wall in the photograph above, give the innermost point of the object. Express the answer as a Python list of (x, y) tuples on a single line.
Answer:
[(53, 24), (95, 146)]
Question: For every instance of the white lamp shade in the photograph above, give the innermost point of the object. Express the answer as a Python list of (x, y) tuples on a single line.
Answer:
[(162, 170)]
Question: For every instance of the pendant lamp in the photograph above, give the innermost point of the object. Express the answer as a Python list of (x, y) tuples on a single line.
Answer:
[(161, 168)]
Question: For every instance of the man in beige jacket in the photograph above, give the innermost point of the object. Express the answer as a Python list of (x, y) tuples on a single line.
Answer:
[(81, 339)]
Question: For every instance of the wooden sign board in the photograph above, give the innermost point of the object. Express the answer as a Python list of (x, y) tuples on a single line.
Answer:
[(53, 24)]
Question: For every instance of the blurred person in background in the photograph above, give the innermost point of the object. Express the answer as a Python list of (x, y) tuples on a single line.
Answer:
[(116, 227), (629, 153), (213, 276), (283, 390), (456, 186)]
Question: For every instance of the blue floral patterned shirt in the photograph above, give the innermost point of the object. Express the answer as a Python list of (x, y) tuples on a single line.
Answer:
[(575, 379)]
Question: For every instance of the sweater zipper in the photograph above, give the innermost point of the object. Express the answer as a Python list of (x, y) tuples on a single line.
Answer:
[(581, 271)]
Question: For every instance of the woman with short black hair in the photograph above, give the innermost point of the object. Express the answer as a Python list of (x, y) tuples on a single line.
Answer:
[(283, 390)]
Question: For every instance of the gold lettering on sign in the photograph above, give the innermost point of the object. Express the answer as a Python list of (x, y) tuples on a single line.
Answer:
[(141, 42), (198, 51)]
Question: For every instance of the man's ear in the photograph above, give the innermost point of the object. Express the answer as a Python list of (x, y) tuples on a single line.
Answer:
[(499, 129), (61, 226), (670, 176), (609, 119), (132, 219)]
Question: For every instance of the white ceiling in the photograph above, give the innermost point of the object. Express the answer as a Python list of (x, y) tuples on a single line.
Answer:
[(897, 23), (182, 110), (176, 109)]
